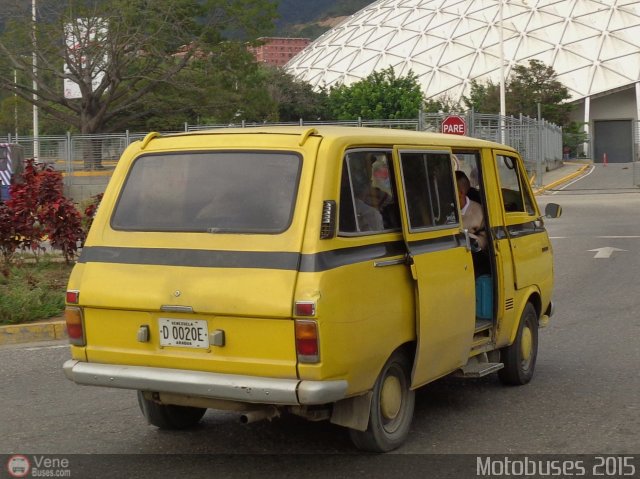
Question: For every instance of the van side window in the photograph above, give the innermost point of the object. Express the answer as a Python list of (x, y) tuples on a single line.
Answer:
[(468, 161), (515, 197), (429, 189), (367, 193)]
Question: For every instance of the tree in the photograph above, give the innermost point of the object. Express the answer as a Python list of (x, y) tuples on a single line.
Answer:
[(15, 115), (573, 137), (116, 52), (537, 84), (381, 95), (483, 98), (294, 99), (219, 86), (443, 104), (529, 85)]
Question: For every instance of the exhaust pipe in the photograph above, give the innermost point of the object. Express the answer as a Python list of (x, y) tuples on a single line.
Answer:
[(259, 415)]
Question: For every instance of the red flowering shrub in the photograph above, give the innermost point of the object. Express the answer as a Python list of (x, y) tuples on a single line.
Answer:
[(9, 239), (23, 203), (40, 211), (90, 211)]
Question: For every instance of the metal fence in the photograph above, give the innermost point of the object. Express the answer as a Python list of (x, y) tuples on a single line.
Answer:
[(636, 144), (81, 156)]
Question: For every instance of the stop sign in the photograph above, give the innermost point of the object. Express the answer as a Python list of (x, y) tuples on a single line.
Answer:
[(454, 125)]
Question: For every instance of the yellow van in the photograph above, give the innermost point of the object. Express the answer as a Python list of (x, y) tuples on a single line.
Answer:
[(324, 272)]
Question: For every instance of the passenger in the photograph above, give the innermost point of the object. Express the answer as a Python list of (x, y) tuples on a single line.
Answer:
[(472, 214), (369, 218)]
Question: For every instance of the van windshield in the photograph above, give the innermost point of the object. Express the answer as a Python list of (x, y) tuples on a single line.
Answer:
[(215, 192)]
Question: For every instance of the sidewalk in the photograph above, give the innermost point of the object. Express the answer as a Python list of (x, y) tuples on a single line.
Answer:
[(55, 328), (560, 176)]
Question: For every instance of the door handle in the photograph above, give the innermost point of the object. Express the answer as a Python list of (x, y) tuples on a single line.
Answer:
[(406, 259), (389, 262)]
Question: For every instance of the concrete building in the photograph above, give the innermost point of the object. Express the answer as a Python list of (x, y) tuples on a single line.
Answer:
[(278, 51), (593, 45)]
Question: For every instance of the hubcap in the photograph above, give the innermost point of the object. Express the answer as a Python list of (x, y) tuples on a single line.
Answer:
[(390, 397), (526, 346)]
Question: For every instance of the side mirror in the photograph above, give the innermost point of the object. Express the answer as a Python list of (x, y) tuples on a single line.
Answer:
[(552, 210)]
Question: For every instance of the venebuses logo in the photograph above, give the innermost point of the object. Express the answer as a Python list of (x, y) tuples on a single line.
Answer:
[(18, 466)]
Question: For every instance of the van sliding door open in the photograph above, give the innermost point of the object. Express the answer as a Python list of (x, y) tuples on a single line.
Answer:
[(440, 262)]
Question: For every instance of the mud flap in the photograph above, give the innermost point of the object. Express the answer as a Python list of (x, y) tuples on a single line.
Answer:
[(353, 412)]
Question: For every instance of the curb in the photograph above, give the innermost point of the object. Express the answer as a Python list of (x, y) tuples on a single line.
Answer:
[(32, 332), (569, 177)]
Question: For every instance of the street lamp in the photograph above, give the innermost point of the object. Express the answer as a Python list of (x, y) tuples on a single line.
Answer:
[(34, 64), (15, 101), (503, 108)]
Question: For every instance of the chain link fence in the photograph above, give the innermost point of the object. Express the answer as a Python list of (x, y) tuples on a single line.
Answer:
[(88, 160)]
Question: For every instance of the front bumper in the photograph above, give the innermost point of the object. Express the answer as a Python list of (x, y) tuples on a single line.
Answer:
[(250, 389), (543, 322)]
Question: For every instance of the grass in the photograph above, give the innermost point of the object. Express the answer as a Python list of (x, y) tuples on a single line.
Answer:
[(32, 291)]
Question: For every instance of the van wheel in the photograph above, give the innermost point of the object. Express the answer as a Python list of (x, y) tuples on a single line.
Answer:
[(168, 416), (520, 358), (391, 408)]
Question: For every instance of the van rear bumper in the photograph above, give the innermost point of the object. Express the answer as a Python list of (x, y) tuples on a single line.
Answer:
[(250, 389)]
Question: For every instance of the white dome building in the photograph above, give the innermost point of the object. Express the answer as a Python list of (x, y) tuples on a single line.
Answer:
[(593, 45)]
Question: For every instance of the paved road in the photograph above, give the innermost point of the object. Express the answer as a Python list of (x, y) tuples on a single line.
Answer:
[(583, 399)]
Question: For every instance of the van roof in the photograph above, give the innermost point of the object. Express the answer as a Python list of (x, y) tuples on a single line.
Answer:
[(355, 134)]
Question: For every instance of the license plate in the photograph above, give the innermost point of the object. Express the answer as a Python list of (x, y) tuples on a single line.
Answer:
[(185, 333)]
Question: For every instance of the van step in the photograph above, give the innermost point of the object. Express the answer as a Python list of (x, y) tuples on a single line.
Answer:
[(475, 369), (482, 324), (479, 341)]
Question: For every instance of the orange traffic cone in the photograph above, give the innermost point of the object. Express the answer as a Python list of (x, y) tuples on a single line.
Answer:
[(605, 162)]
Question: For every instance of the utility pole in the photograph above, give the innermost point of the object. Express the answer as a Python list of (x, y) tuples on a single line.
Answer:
[(15, 101), (503, 108), (34, 64)]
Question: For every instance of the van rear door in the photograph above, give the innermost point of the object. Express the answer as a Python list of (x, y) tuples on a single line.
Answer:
[(441, 264), (199, 235)]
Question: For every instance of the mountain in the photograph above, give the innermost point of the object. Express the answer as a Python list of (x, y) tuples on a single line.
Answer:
[(305, 18)]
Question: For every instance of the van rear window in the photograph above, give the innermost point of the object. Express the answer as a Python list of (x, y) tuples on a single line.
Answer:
[(215, 192)]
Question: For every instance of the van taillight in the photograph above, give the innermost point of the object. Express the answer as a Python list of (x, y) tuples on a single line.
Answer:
[(75, 325), (304, 308), (73, 296), (307, 345)]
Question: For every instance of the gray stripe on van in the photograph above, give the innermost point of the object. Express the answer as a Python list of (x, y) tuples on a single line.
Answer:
[(327, 260), (190, 257), (436, 244), (307, 263), (517, 230)]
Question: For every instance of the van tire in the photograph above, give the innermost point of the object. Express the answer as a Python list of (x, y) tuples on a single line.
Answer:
[(169, 416), (391, 409), (520, 358)]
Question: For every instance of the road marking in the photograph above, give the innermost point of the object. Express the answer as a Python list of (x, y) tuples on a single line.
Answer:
[(599, 237), (605, 252), (575, 181), (59, 346), (618, 237)]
